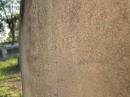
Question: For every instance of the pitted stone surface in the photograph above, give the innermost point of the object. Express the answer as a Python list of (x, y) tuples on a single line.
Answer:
[(76, 48)]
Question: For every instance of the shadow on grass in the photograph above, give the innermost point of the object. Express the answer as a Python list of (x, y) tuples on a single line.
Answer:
[(10, 70)]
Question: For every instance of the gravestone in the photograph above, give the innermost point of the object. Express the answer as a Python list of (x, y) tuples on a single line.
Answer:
[(75, 48), (4, 52)]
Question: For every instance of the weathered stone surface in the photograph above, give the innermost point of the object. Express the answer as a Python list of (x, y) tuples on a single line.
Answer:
[(76, 48)]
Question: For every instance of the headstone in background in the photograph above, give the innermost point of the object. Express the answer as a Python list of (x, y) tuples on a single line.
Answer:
[(4, 52), (9, 50), (76, 48)]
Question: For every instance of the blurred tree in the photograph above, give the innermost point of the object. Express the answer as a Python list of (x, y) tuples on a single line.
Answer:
[(1, 27), (9, 13), (2, 32)]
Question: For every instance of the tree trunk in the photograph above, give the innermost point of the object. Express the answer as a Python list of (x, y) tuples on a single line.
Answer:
[(76, 48), (13, 35)]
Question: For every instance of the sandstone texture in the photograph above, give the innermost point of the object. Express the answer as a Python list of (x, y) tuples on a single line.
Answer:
[(76, 48)]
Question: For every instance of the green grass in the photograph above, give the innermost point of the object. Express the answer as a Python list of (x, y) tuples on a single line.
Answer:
[(9, 91), (10, 78)]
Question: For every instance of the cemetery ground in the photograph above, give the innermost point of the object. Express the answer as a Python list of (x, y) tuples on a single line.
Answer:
[(10, 78)]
